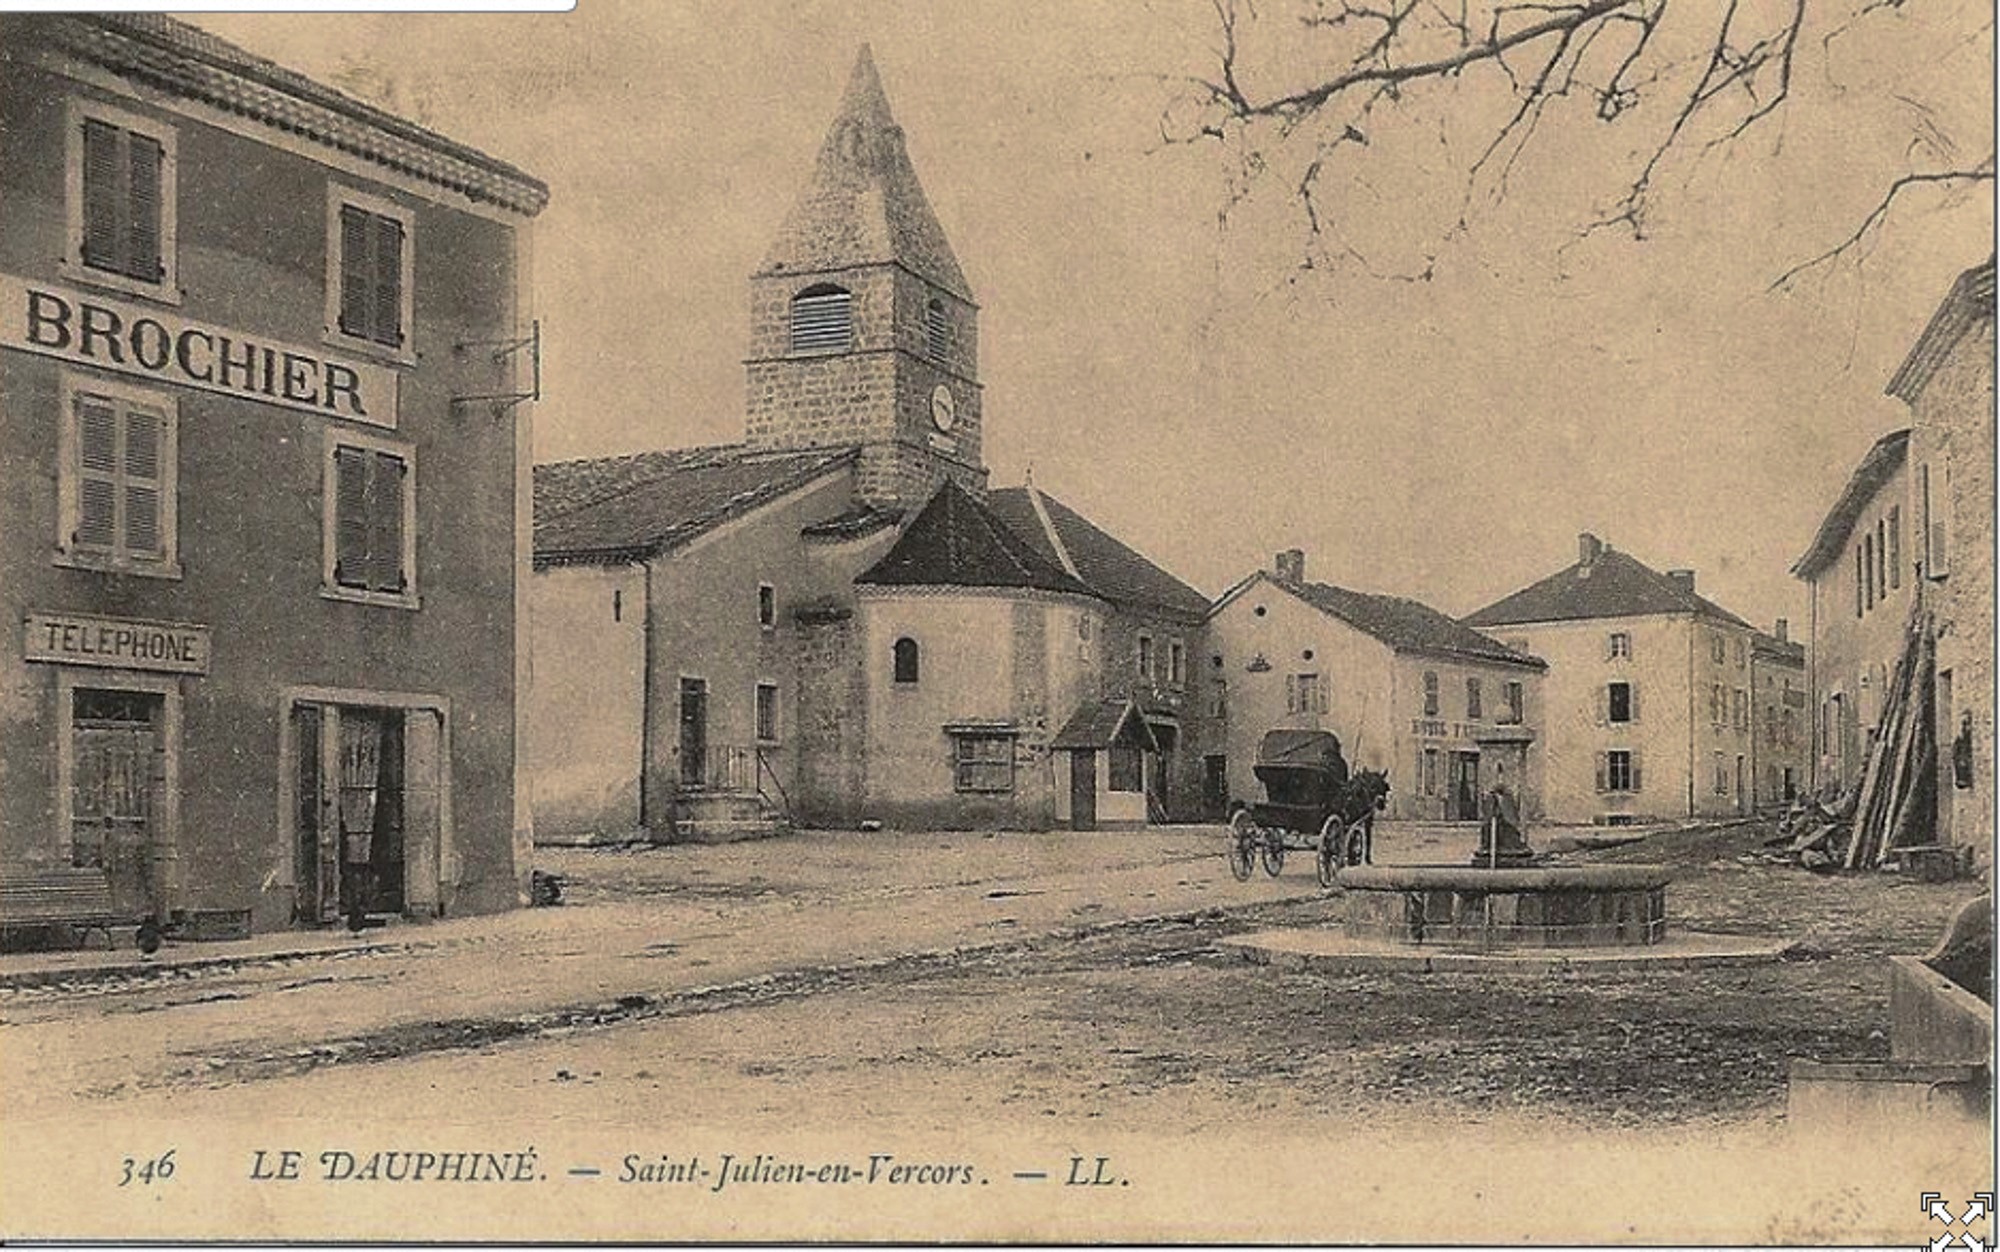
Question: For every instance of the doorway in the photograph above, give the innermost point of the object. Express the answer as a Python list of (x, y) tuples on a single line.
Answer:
[(1462, 794), (367, 811), (694, 732), (1215, 787), (1083, 789), (118, 764)]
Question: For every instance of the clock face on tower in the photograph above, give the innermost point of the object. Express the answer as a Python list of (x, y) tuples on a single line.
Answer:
[(944, 409)]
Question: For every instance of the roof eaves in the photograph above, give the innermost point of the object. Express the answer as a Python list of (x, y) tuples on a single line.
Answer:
[(1877, 466), (1969, 301)]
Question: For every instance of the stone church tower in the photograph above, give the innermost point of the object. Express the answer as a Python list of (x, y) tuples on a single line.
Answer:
[(863, 330)]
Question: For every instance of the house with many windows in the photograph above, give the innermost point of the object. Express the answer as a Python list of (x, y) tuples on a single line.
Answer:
[(1649, 696), (1445, 709), (835, 621), (266, 528)]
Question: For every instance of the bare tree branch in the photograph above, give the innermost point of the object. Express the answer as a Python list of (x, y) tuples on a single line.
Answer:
[(1981, 173)]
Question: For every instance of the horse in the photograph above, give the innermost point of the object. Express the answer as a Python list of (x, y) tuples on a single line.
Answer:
[(1365, 794)]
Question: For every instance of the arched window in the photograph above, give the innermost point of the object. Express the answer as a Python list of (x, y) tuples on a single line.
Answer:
[(937, 331), (906, 660), (823, 319)]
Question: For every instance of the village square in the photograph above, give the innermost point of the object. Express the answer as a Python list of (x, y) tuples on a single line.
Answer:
[(439, 754)]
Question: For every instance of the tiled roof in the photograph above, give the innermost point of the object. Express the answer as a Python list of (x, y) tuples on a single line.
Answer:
[(1110, 568), (625, 507), (1876, 468), (956, 541), (1786, 651), (855, 523), (1406, 625), (185, 60), (1969, 302), (864, 204), (1613, 585), (1102, 724)]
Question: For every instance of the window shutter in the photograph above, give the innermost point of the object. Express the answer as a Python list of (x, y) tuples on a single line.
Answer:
[(385, 542), (1322, 695), (143, 432), (356, 270), (97, 473), (142, 255), (1291, 693), (101, 195), (1635, 770), (1604, 704), (1632, 702), (388, 319), (1940, 533), (1603, 771), (350, 520)]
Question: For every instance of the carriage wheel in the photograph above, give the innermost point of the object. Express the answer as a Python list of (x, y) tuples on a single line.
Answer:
[(1359, 836), (1242, 844), (1274, 851), (1331, 843)]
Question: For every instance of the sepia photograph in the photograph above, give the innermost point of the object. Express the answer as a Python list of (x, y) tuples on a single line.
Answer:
[(1075, 622)]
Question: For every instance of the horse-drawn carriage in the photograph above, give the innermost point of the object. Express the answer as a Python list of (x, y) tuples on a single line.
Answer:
[(1312, 804)]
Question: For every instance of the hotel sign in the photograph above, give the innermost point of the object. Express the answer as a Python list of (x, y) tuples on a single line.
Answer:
[(161, 346), (116, 643)]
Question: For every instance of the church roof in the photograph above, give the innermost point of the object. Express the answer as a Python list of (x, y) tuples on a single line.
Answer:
[(1106, 565), (955, 541), (630, 507), (864, 205), (1611, 585)]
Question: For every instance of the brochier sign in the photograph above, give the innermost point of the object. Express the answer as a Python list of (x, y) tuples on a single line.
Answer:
[(153, 343), (115, 643)]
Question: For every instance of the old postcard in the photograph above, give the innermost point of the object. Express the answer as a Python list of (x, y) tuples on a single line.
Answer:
[(1330, 621)]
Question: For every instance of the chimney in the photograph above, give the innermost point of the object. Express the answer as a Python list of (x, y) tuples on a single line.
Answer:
[(1290, 565), (1784, 630), (1588, 548), (1684, 578)]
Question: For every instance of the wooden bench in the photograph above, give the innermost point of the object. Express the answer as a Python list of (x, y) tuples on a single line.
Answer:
[(59, 896)]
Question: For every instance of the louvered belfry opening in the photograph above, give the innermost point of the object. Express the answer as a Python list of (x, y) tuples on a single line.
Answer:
[(122, 173), (937, 329), (823, 319)]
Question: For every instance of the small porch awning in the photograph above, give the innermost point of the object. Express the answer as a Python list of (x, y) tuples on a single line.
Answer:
[(1105, 724)]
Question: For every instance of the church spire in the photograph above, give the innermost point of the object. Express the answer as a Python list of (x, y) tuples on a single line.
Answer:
[(863, 204)]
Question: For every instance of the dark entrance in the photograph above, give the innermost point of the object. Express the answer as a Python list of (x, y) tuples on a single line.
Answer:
[(119, 765), (1215, 788), (1083, 789), (1462, 797), (694, 732), (351, 811)]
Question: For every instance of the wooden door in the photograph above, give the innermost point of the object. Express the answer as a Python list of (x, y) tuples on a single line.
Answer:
[(115, 774), (317, 833), (1465, 786), (694, 732), (1083, 790)]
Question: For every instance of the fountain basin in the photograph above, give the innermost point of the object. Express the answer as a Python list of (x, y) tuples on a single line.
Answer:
[(1471, 907)]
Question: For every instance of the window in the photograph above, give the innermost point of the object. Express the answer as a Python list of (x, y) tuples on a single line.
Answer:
[(1937, 555), (1618, 646), (1895, 546), (1881, 559), (1218, 698), (1473, 711), (1721, 775), (1430, 771), (1618, 770), (1516, 704), (1741, 654), (1127, 769), (1868, 570), (1742, 717), (1430, 693), (1176, 663), (1618, 702), (1145, 660), (937, 329), (767, 712), (823, 319), (370, 518), (1718, 649), (767, 606), (121, 176), (1305, 693), (370, 268), (117, 480), (1859, 603), (984, 763), (906, 660)]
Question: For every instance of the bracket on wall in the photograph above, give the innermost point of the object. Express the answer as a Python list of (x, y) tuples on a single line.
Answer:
[(504, 350)]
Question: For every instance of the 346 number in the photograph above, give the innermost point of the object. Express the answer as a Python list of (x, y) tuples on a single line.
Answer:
[(148, 1172)]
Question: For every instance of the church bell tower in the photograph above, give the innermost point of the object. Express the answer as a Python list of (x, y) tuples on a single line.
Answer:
[(863, 330)]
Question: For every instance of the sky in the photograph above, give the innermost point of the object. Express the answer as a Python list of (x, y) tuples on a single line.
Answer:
[(1170, 372)]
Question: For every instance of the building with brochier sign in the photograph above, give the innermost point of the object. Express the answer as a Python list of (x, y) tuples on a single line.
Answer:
[(267, 369)]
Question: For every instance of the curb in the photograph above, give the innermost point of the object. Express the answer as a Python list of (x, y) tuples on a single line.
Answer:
[(1267, 949)]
